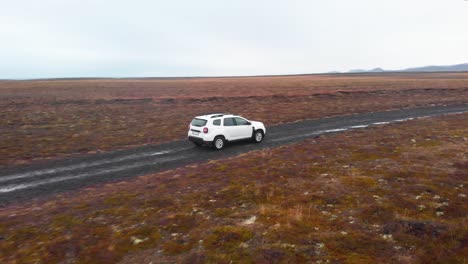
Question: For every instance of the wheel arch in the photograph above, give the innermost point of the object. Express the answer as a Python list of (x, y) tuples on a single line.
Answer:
[(220, 135), (257, 129)]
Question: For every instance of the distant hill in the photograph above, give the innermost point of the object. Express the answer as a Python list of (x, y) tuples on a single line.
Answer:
[(377, 70), (458, 67), (446, 68)]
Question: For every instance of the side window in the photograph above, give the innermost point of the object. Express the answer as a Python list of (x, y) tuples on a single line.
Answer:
[(241, 121), (217, 122), (229, 121)]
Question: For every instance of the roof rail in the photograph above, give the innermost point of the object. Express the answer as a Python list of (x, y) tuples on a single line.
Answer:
[(218, 114)]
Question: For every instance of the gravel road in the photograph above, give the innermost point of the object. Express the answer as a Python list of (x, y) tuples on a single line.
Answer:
[(45, 178)]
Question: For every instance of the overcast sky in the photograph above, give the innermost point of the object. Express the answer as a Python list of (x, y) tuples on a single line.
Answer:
[(85, 38)]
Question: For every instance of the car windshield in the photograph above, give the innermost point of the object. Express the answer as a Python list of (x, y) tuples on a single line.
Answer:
[(198, 122)]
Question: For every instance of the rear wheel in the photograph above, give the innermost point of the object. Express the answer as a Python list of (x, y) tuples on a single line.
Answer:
[(218, 143), (258, 136)]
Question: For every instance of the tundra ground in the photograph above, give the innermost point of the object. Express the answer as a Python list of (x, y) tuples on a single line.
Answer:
[(42, 119), (388, 194)]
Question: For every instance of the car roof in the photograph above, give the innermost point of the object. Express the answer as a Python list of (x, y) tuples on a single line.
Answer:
[(215, 115)]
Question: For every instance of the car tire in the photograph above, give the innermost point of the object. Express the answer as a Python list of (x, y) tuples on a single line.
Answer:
[(218, 143), (258, 136)]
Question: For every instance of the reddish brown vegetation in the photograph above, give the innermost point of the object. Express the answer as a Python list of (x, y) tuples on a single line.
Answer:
[(389, 194), (40, 119)]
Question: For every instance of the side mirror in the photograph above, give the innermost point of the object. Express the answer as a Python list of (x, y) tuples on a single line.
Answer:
[(248, 123)]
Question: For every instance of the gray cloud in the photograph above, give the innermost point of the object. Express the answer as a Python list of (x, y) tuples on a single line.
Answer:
[(54, 38)]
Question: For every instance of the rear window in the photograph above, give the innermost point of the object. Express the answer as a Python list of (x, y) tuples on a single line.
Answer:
[(217, 122), (198, 122)]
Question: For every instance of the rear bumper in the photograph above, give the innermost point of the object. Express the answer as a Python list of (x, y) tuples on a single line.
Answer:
[(199, 140)]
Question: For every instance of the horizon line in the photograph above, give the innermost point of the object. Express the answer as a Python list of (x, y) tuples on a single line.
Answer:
[(234, 76)]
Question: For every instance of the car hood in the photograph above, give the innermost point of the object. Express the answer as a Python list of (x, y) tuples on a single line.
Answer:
[(257, 124)]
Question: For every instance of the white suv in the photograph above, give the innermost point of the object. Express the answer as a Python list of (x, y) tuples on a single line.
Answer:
[(216, 129)]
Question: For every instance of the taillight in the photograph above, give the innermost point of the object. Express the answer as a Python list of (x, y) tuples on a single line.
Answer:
[(205, 130)]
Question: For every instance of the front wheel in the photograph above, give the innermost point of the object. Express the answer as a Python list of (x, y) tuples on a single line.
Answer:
[(218, 143), (258, 136)]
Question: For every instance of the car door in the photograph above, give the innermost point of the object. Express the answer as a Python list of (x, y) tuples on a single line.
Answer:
[(229, 126), (243, 128)]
